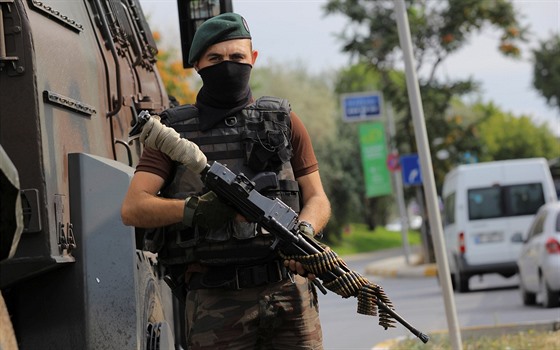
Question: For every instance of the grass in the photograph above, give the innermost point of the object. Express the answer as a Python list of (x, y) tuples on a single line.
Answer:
[(531, 339), (358, 239)]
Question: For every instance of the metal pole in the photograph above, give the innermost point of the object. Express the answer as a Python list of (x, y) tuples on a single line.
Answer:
[(404, 215), (427, 173), (397, 177)]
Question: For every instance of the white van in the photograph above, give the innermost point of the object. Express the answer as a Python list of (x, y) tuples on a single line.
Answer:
[(488, 208)]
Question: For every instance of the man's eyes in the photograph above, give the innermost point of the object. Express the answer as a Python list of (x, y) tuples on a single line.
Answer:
[(219, 58)]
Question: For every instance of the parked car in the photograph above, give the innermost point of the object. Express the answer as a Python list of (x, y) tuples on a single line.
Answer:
[(539, 262)]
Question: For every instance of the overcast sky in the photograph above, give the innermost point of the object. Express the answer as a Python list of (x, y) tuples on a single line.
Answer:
[(297, 30)]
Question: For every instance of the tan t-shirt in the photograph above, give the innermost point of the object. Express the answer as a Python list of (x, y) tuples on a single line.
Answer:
[(303, 158)]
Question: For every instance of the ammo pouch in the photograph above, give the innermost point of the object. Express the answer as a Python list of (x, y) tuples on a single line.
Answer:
[(266, 135), (239, 277)]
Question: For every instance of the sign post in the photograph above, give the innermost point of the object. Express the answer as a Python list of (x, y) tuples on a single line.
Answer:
[(394, 165)]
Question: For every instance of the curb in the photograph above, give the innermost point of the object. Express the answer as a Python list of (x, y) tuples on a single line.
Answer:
[(397, 267), (388, 344)]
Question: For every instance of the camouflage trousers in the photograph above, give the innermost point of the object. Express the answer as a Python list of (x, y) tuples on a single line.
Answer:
[(282, 315)]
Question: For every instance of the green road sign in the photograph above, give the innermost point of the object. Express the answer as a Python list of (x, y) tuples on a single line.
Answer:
[(374, 159)]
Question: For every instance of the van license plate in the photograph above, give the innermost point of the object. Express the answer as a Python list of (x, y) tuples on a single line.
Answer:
[(490, 237)]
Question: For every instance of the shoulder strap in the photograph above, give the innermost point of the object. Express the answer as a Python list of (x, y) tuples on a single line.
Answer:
[(273, 103), (178, 114)]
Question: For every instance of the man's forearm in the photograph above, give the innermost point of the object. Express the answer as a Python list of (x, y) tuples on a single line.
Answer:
[(151, 211), (316, 211)]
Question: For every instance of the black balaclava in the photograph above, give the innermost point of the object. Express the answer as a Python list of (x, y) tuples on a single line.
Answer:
[(224, 92)]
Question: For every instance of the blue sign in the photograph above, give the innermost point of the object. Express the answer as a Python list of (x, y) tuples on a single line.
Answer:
[(411, 174), (361, 106)]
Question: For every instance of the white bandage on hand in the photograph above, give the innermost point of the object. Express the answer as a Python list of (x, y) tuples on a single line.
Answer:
[(165, 139)]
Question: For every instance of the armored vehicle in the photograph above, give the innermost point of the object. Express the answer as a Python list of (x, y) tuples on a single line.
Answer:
[(73, 77)]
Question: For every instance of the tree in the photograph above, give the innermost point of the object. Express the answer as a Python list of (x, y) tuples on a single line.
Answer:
[(438, 29), (546, 72), (175, 78), (375, 210), (505, 136), (341, 173)]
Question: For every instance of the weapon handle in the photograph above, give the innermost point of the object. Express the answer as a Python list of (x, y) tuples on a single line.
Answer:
[(141, 120)]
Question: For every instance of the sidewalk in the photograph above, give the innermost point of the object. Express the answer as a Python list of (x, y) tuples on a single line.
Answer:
[(397, 267)]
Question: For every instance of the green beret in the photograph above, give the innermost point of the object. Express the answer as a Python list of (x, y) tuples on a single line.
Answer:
[(226, 26)]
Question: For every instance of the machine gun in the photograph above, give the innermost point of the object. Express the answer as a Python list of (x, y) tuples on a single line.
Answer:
[(279, 219)]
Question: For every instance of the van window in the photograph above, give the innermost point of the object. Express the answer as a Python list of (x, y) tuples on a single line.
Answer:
[(485, 203), (449, 209), (524, 199), (502, 201)]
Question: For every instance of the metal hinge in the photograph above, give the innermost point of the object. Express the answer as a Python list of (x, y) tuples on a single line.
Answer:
[(66, 240)]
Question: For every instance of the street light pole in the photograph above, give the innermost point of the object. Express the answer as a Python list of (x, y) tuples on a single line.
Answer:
[(427, 173)]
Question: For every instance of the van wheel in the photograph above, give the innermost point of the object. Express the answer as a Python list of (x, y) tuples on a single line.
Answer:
[(527, 297), (550, 297), (461, 282)]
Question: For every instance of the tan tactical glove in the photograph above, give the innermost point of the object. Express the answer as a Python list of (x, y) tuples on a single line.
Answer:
[(207, 211)]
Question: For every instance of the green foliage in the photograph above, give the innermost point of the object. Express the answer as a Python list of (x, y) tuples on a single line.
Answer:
[(176, 79), (341, 172), (505, 136), (438, 29), (357, 238), (546, 72), (343, 161)]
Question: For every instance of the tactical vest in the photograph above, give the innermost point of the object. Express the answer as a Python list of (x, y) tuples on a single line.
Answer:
[(253, 141)]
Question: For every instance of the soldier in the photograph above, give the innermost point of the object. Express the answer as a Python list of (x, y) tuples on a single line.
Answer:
[(240, 294)]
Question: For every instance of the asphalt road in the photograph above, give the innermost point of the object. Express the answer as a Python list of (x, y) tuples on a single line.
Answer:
[(493, 301)]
